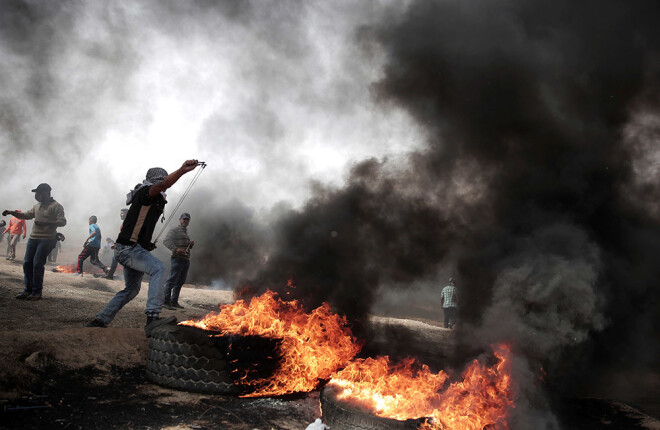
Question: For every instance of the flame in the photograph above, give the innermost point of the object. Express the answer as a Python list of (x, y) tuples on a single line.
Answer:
[(66, 268), (313, 345), (408, 390)]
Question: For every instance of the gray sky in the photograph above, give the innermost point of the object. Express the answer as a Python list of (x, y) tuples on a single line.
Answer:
[(270, 94)]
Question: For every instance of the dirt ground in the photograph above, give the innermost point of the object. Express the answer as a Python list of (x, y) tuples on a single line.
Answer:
[(57, 373)]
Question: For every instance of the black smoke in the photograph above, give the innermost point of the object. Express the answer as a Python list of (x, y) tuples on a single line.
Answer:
[(529, 179)]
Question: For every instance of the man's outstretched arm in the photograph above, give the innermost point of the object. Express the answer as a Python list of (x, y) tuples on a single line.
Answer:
[(171, 179)]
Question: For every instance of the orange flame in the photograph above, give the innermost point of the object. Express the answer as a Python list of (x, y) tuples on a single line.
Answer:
[(313, 346), (410, 390), (66, 268)]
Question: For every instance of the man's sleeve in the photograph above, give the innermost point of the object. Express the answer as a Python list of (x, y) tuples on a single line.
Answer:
[(61, 220), (169, 240), (28, 215)]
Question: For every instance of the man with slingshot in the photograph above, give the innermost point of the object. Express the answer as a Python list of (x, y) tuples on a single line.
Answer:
[(133, 246)]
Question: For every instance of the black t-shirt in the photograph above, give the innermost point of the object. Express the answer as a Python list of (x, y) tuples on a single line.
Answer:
[(141, 219)]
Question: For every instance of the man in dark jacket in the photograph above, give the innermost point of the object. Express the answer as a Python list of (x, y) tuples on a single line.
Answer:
[(133, 246)]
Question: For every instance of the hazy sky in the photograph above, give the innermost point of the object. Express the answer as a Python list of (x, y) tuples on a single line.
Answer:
[(270, 94)]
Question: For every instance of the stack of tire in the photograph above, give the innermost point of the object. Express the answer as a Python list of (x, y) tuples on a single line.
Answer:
[(190, 359)]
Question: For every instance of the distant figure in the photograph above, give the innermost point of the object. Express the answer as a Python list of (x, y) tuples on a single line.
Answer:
[(15, 228), (177, 241), (91, 248), (133, 246), (52, 257), (106, 250), (113, 265), (3, 224), (48, 215), (449, 300)]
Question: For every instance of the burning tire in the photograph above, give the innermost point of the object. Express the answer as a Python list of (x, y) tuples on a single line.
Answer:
[(339, 414), (187, 358)]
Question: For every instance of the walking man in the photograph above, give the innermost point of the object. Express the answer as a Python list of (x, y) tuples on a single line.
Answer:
[(113, 266), (133, 246), (449, 300), (15, 228), (177, 241), (91, 248), (47, 215)]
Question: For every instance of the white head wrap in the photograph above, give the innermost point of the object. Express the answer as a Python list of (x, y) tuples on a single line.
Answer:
[(155, 175)]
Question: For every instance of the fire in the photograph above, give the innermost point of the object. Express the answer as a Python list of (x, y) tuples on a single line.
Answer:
[(313, 345), (66, 268), (482, 399)]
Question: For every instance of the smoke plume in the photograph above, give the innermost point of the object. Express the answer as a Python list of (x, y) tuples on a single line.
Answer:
[(536, 180), (369, 150)]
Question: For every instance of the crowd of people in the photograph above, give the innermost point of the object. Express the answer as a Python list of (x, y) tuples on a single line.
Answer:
[(132, 248)]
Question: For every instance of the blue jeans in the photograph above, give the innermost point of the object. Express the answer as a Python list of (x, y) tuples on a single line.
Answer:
[(136, 261), (36, 253), (178, 273)]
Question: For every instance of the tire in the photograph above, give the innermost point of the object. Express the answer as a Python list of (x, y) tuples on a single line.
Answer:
[(186, 358), (338, 414)]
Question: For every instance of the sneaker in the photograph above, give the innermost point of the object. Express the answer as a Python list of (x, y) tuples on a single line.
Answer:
[(153, 322), (168, 305), (96, 323), (110, 277), (34, 297), (177, 305), (77, 274), (23, 296)]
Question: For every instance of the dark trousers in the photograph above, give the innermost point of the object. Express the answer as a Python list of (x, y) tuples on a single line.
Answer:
[(93, 254), (178, 274), (36, 253), (450, 317)]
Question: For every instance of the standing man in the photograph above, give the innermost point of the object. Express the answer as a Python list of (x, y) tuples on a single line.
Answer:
[(113, 266), (15, 228), (48, 215), (59, 238), (91, 248), (449, 300), (147, 201), (177, 241)]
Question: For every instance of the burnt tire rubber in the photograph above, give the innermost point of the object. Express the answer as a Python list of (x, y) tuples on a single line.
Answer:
[(186, 358), (338, 414)]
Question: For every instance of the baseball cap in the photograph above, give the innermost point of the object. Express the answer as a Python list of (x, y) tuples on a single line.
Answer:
[(42, 187), (185, 215)]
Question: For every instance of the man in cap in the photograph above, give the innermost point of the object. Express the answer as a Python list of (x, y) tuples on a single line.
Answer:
[(113, 265), (47, 215), (133, 246), (15, 228), (449, 300), (177, 241)]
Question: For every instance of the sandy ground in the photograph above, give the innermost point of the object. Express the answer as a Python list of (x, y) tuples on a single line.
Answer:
[(57, 373)]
